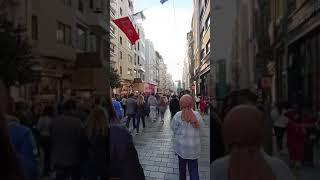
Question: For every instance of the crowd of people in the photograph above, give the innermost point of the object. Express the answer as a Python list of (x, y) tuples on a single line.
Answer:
[(80, 140)]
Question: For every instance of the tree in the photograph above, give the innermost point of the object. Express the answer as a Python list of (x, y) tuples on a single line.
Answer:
[(114, 78), (16, 64)]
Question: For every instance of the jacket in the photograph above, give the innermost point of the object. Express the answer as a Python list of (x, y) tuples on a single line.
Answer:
[(123, 155), (23, 143), (117, 107), (66, 140), (174, 106), (131, 106)]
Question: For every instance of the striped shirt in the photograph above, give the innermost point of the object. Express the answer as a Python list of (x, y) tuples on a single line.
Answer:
[(187, 138)]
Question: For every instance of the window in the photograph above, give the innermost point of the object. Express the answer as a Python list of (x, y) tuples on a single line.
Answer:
[(93, 43), (120, 11), (130, 58), (201, 14), (63, 34), (91, 4), (120, 54), (202, 54), (80, 5), (82, 38), (129, 71), (120, 40), (120, 69), (138, 60), (34, 22), (138, 46), (208, 47), (67, 2), (112, 47), (208, 22), (129, 45), (206, 2), (112, 29), (201, 34)]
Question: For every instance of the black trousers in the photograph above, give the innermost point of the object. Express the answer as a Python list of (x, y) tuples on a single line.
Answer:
[(66, 172), (45, 144), (133, 117), (279, 132)]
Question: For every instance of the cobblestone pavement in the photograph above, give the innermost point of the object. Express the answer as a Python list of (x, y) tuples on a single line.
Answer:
[(156, 154), (306, 173)]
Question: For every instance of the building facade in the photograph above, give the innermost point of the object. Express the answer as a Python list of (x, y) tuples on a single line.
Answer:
[(60, 40)]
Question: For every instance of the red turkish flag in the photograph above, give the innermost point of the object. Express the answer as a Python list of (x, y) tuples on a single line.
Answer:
[(127, 28)]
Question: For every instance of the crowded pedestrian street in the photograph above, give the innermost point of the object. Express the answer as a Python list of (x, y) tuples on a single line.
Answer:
[(156, 154)]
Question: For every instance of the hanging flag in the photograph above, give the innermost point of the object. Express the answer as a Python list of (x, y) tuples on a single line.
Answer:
[(163, 1), (126, 26), (139, 15)]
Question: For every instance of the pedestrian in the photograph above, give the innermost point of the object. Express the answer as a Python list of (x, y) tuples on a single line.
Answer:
[(44, 127), (67, 138), (280, 122), (186, 126), (163, 106), (153, 104), (123, 154), (243, 137), (295, 138), (11, 165), (174, 105), (117, 107), (131, 111), (308, 121), (141, 111), (23, 142), (203, 105), (97, 129), (124, 104), (197, 101)]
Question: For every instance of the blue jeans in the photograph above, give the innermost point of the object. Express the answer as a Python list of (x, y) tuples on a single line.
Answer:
[(192, 167), (133, 117)]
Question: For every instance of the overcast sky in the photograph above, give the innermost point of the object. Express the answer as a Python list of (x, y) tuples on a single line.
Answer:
[(168, 29)]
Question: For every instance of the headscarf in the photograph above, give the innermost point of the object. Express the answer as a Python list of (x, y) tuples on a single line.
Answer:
[(243, 138), (186, 104)]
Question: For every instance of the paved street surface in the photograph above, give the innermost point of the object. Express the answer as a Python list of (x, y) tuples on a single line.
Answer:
[(156, 154), (307, 173)]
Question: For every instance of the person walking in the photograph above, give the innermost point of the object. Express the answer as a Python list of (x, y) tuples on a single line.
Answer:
[(124, 104), (117, 107), (44, 127), (23, 143), (141, 111), (203, 105), (66, 143), (163, 106), (96, 131), (174, 105), (280, 122), (123, 154), (295, 138), (186, 126), (11, 165), (131, 111), (153, 104), (197, 98), (246, 160)]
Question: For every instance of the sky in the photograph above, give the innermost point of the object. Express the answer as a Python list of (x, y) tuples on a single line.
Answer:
[(167, 25)]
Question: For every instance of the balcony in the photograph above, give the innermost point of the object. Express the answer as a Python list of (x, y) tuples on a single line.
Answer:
[(97, 22)]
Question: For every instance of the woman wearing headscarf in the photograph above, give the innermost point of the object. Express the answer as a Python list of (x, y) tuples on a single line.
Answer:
[(243, 137), (186, 128)]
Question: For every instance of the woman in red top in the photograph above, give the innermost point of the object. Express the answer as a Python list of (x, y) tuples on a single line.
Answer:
[(295, 138), (203, 105)]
